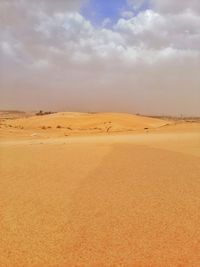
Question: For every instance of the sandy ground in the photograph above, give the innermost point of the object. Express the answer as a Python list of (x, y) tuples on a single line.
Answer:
[(105, 199)]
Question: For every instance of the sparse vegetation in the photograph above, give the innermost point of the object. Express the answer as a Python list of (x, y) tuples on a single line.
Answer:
[(109, 129), (42, 113), (175, 118), (46, 127)]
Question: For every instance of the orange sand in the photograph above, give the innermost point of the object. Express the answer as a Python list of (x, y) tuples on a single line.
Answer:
[(128, 199)]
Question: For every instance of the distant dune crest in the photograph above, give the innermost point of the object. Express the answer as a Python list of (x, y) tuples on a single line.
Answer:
[(102, 122)]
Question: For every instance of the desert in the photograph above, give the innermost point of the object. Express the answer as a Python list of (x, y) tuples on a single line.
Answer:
[(102, 189), (99, 133)]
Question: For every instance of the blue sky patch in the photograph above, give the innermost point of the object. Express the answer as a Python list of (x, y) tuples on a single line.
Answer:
[(99, 11)]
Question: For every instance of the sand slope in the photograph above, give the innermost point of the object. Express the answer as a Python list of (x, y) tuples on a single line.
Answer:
[(98, 204)]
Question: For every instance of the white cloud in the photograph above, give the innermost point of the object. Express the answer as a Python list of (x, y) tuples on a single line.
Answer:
[(145, 21), (127, 14), (106, 22), (154, 30), (167, 6), (6, 48), (137, 4), (177, 6)]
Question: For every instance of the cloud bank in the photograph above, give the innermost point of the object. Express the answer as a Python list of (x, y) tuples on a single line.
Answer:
[(52, 57)]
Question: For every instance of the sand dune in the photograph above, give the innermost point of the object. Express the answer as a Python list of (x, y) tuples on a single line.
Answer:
[(121, 199), (85, 121)]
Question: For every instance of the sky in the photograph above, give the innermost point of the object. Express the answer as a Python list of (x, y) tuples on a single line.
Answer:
[(135, 56)]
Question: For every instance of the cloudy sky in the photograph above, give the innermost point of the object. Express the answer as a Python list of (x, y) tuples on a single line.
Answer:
[(140, 56)]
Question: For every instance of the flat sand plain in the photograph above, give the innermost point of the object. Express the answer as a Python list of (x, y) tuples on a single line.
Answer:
[(99, 190)]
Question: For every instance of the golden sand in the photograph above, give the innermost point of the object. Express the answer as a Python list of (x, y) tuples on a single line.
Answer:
[(127, 197)]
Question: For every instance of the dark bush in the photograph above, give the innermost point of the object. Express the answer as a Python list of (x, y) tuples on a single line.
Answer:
[(42, 113)]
